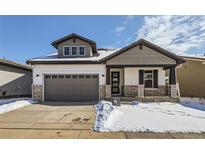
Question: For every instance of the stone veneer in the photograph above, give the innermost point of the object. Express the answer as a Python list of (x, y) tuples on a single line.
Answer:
[(37, 92), (131, 90), (108, 91), (140, 90), (173, 91), (102, 92), (160, 91)]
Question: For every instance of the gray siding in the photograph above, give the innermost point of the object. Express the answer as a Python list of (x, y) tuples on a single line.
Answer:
[(72, 89), (15, 81), (140, 57), (77, 42)]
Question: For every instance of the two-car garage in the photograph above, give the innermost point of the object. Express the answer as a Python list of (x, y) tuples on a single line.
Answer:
[(71, 87)]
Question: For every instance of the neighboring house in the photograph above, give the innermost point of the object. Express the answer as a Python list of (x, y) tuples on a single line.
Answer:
[(15, 79), (191, 77), (78, 71)]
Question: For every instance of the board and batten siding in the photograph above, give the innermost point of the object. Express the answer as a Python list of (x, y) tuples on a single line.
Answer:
[(78, 42), (135, 56), (132, 75)]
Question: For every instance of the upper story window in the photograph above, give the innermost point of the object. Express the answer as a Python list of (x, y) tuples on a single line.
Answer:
[(66, 51), (74, 50), (81, 50)]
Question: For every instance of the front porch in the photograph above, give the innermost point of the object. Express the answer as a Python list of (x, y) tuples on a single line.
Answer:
[(143, 83)]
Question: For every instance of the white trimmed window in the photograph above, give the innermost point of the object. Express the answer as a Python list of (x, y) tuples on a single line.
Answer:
[(74, 50), (82, 50), (66, 50)]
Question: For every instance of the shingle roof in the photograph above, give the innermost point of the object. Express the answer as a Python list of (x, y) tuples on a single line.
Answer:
[(14, 64), (53, 57)]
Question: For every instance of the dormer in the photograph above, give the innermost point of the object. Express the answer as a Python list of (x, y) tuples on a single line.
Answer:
[(75, 46)]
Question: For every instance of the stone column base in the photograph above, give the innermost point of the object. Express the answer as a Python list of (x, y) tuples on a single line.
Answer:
[(173, 91), (37, 92), (140, 90), (102, 92), (108, 91), (130, 91)]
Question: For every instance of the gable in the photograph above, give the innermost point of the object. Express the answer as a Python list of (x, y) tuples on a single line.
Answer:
[(74, 36), (144, 56)]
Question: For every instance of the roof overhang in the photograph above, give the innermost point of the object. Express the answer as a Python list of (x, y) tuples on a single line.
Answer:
[(14, 64), (62, 62)]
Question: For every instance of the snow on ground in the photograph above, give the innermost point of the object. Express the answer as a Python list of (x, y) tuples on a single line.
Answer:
[(187, 116), (7, 105)]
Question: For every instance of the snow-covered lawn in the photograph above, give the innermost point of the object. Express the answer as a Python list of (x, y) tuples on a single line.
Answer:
[(187, 116), (7, 105)]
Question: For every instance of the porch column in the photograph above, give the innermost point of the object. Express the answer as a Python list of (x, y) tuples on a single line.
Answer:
[(172, 76), (107, 75), (141, 84), (172, 82), (108, 86)]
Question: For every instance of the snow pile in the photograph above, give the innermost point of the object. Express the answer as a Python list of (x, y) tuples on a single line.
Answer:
[(7, 105), (150, 117), (196, 103), (103, 115)]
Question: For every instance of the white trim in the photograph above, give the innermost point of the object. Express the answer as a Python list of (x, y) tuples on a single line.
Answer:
[(149, 79), (64, 50), (151, 88), (76, 50), (79, 50)]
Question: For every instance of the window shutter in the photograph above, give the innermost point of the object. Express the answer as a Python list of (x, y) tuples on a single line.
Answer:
[(155, 78), (141, 76)]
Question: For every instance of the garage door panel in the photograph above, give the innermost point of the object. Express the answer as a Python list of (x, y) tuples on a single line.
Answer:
[(82, 88)]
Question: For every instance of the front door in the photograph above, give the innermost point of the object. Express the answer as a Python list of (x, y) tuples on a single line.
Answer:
[(115, 82)]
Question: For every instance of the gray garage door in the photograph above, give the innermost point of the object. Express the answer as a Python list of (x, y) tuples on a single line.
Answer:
[(71, 88)]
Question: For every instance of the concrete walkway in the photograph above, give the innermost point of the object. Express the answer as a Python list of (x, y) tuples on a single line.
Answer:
[(52, 121)]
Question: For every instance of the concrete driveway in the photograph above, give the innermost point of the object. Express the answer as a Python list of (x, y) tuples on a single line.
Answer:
[(63, 121), (52, 121)]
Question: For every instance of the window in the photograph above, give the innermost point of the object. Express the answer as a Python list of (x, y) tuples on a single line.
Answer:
[(88, 76), (81, 76), (54, 76), (61, 76), (94, 76), (66, 51), (73, 50), (74, 76), (148, 79), (67, 76), (81, 50), (47, 76)]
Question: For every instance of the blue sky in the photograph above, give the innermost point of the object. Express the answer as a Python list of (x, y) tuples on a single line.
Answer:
[(25, 37)]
